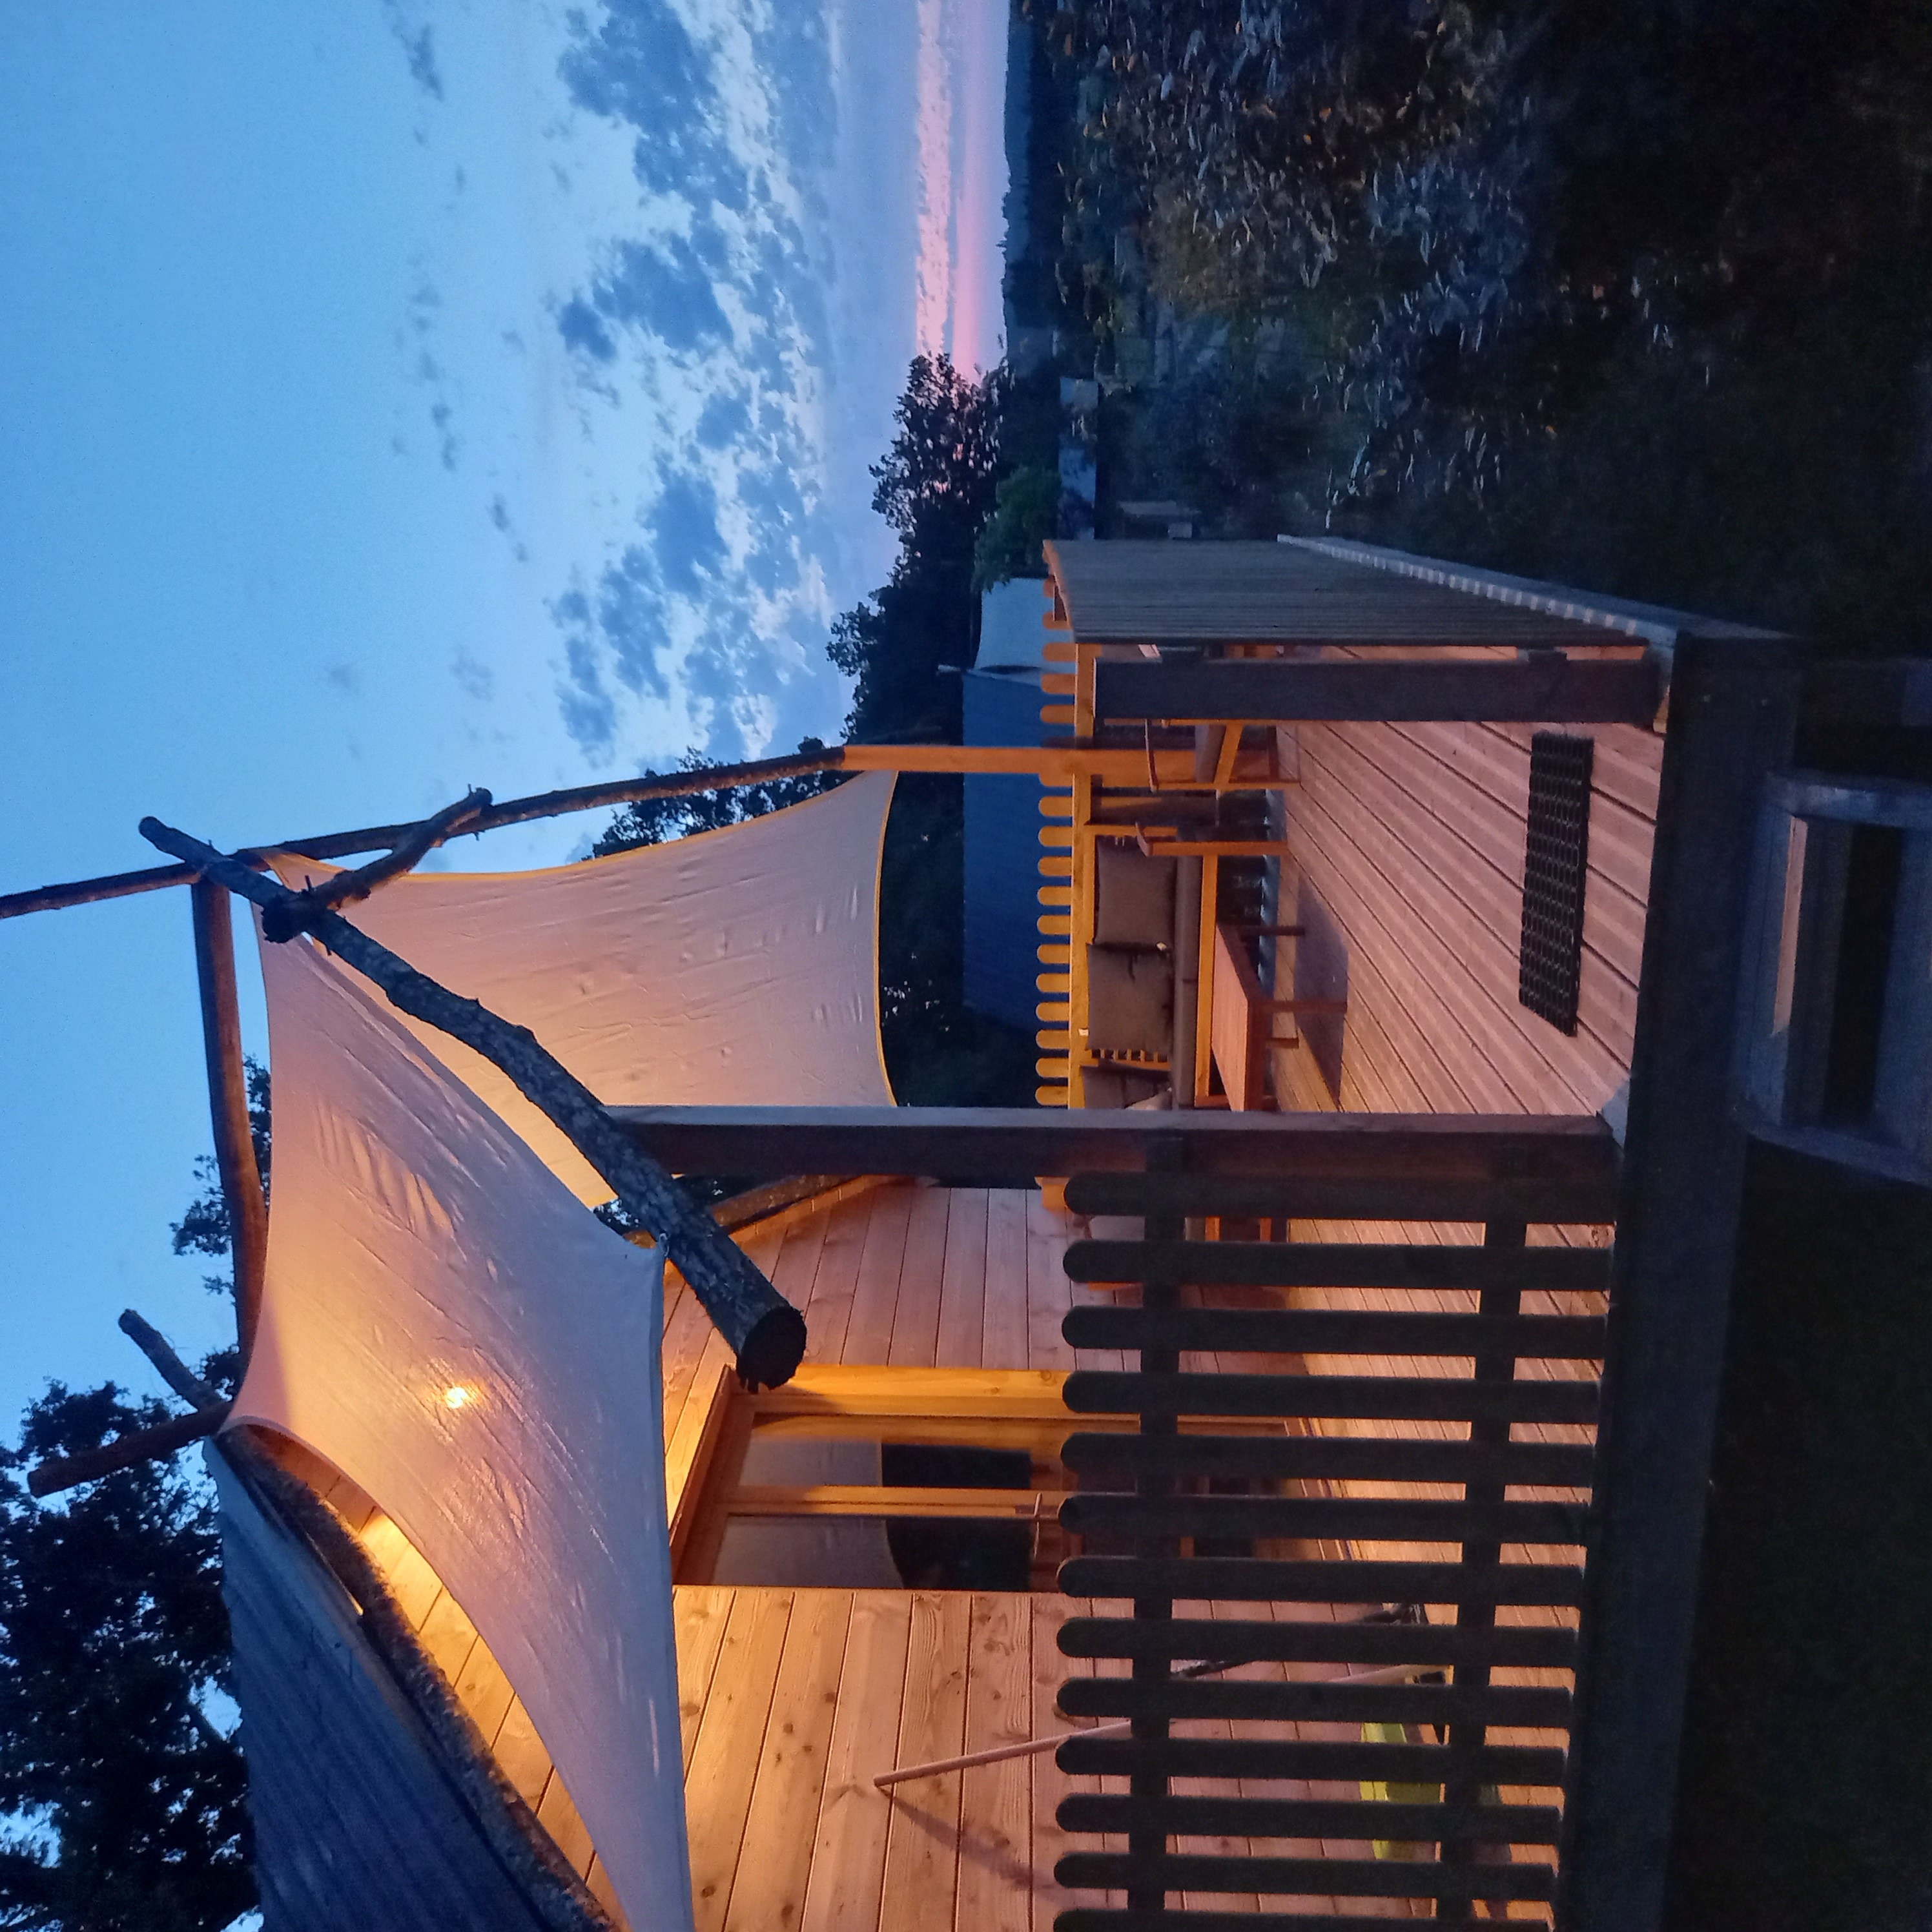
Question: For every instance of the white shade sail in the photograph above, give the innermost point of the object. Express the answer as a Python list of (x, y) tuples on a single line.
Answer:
[(738, 968), (448, 1327)]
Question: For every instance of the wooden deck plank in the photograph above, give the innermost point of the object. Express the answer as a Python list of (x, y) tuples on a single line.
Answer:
[(1004, 1342), (520, 1754), (775, 1861), (730, 1736), (449, 1636), (796, 1264), (915, 1340), (413, 1584), (996, 1800), (699, 1615), (868, 1334), (1048, 1292), (483, 1690), (848, 1852), (558, 1816), (1050, 1784), (1476, 907), (962, 1290), (1454, 955), (1439, 1017), (835, 1282), (922, 1842)]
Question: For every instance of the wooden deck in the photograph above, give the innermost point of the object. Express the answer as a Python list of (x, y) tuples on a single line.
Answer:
[(1408, 843), (793, 1700)]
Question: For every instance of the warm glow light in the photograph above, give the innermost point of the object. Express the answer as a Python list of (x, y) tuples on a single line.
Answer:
[(457, 1396)]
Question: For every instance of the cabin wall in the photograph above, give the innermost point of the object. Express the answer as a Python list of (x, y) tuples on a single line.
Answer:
[(1406, 862)]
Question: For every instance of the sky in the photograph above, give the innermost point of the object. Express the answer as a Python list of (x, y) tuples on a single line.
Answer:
[(396, 397)]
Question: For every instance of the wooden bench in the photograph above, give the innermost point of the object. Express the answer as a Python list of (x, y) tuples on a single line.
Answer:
[(1241, 1021)]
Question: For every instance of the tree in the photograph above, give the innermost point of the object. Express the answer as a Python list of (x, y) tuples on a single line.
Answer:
[(652, 820), (204, 1228), (1026, 508), (128, 1802)]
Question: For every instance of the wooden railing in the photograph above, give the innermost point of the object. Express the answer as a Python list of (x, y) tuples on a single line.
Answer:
[(1435, 1671)]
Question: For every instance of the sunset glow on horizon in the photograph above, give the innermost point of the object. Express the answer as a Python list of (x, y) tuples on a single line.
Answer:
[(959, 117)]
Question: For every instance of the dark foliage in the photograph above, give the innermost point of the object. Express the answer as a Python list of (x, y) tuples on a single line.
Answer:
[(652, 820), (129, 1802), (204, 1228)]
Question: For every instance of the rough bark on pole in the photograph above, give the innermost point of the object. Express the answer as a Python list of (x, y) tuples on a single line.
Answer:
[(144, 1445), (766, 1332), (228, 1105), (377, 837), (173, 1370)]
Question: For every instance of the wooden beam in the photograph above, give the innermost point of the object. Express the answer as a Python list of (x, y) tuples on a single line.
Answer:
[(241, 1179), (765, 1331), (1546, 688), (1733, 719), (980, 1145), (1055, 762)]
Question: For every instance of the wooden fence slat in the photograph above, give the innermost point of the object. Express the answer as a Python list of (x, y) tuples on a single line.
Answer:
[(1323, 1761), (1345, 1198), (1372, 1459), (1340, 1264), (1324, 1701), (1359, 1398), (1315, 1818), (1357, 1878), (1319, 1640), (1371, 1519), (1336, 1332), (1256, 1578)]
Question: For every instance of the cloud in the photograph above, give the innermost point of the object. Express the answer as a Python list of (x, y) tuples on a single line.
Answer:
[(708, 321), (418, 42)]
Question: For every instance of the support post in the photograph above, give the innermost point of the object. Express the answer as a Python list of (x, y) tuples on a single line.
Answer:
[(228, 1104), (1733, 717)]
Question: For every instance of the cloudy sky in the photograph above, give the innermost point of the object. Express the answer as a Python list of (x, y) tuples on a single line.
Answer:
[(400, 397)]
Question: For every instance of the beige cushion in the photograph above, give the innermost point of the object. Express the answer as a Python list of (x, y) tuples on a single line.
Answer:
[(1133, 896), (1130, 1000), (1121, 1087)]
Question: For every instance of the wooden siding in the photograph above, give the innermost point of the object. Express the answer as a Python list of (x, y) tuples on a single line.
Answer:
[(357, 1821), (1407, 844)]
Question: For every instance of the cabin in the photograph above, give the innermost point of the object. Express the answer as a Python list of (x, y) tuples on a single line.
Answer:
[(1264, 1480)]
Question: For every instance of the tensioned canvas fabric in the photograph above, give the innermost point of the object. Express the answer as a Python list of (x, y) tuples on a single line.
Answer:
[(418, 1246), (732, 968)]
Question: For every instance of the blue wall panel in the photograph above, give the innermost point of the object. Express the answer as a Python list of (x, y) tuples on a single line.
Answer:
[(1003, 848)]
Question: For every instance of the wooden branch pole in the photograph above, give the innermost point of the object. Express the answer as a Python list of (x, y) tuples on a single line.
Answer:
[(228, 1105), (1053, 762), (173, 1370), (144, 1445), (297, 914), (766, 1332)]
